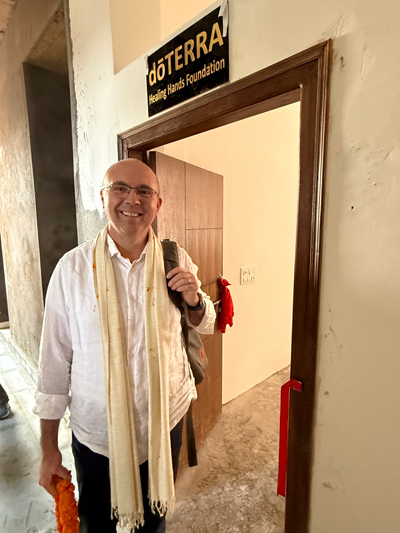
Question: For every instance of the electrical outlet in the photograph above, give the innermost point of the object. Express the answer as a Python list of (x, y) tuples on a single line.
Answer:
[(252, 274), (247, 275)]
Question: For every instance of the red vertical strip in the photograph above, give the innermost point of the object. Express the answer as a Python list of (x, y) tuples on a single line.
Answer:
[(283, 434)]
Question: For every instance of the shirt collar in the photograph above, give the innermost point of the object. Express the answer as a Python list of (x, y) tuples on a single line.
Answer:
[(113, 248)]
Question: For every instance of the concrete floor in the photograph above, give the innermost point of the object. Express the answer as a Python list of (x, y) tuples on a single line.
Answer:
[(24, 506), (232, 490)]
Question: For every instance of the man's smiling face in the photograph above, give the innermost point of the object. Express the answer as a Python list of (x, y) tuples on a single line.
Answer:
[(132, 215)]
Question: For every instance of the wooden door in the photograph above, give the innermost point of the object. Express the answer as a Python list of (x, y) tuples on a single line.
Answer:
[(192, 215)]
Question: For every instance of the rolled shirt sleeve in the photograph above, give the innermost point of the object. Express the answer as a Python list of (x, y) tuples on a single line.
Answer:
[(52, 395)]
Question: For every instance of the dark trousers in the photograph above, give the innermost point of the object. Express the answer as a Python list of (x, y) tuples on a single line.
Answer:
[(3, 397), (94, 506)]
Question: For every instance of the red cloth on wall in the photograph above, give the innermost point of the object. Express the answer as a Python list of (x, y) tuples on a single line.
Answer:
[(227, 311)]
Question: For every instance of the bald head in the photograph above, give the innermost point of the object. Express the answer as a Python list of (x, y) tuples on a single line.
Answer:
[(130, 215), (127, 168)]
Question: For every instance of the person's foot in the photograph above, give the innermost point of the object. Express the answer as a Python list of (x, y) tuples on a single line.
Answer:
[(5, 411)]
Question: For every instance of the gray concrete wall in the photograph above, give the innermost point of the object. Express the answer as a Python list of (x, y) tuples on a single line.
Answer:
[(49, 114), (18, 223)]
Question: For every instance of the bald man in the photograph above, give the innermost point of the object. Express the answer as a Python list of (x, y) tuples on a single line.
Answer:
[(72, 371)]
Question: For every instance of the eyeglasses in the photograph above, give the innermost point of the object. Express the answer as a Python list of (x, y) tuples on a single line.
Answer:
[(123, 190)]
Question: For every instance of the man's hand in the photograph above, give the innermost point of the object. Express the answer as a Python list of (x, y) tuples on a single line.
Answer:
[(51, 456), (184, 281), (51, 466)]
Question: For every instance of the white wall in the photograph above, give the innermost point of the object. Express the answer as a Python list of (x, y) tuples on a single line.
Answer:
[(176, 13), (138, 26), (259, 159), (138, 18), (355, 482)]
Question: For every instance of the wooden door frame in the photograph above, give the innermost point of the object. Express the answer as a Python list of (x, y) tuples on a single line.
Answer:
[(303, 77)]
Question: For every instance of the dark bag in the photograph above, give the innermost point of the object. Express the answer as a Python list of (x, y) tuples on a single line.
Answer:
[(194, 347)]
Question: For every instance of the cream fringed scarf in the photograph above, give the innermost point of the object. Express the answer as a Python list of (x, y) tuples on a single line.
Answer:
[(126, 494)]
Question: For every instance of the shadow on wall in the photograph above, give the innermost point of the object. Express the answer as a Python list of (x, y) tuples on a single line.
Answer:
[(49, 112)]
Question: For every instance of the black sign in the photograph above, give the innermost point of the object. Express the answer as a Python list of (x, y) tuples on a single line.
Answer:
[(191, 63)]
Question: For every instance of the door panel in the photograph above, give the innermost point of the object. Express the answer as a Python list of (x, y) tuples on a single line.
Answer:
[(171, 222), (208, 407), (204, 195), (205, 247), (212, 290), (191, 214)]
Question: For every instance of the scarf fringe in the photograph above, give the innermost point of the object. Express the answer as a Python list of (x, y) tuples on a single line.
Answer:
[(162, 507), (128, 520)]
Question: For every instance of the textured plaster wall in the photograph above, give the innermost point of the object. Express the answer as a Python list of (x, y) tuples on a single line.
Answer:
[(355, 477), (18, 225), (107, 104)]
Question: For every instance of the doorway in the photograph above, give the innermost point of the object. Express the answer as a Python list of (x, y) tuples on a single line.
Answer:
[(258, 158), (302, 78)]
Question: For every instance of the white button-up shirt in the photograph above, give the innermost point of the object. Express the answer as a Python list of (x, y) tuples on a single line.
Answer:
[(71, 359)]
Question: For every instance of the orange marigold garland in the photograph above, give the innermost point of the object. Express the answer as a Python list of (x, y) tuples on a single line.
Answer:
[(66, 508)]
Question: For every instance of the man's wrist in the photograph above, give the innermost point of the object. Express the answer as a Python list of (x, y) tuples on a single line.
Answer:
[(199, 306)]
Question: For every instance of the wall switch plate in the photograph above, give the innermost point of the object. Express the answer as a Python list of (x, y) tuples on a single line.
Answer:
[(247, 275)]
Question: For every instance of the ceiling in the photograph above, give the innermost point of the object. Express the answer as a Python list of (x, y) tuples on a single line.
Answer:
[(50, 51), (6, 9)]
